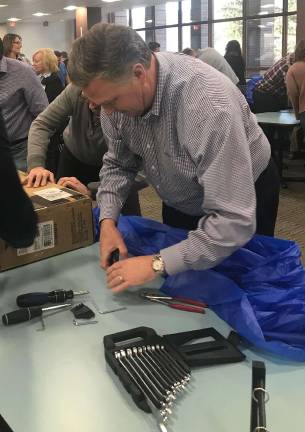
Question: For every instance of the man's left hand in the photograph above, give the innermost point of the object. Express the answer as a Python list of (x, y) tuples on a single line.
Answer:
[(130, 272)]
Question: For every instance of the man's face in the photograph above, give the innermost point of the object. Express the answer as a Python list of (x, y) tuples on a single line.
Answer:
[(127, 96)]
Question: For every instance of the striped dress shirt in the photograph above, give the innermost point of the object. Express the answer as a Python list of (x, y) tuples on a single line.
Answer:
[(200, 148), (22, 97)]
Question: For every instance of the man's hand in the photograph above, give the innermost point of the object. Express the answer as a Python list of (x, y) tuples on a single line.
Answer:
[(130, 272), (39, 176), (75, 184), (110, 239)]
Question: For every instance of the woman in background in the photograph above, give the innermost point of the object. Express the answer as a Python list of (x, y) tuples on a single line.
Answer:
[(295, 83), (235, 59), (12, 44), (46, 66)]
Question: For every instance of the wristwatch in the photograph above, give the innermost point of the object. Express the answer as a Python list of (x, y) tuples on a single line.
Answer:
[(158, 265)]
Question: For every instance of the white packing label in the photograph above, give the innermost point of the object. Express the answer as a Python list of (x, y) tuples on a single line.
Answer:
[(45, 239), (53, 194)]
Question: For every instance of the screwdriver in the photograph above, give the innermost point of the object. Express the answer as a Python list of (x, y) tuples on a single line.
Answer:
[(41, 298), (27, 314)]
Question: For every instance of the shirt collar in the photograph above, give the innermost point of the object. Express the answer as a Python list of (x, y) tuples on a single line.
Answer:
[(162, 72), (45, 75), (3, 65)]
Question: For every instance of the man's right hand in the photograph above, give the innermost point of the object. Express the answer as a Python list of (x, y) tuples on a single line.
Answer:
[(110, 239), (39, 176)]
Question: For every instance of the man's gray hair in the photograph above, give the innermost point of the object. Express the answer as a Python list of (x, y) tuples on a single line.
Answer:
[(106, 51)]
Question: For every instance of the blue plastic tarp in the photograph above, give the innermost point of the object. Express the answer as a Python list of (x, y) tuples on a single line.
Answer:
[(259, 290)]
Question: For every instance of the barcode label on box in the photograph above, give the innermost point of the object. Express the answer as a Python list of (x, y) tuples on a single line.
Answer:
[(45, 239), (53, 194)]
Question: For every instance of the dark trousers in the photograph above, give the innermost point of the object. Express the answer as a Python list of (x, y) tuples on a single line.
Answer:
[(267, 188), (265, 102), (302, 120), (70, 166)]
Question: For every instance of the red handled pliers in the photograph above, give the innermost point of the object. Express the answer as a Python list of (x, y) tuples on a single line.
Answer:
[(179, 303)]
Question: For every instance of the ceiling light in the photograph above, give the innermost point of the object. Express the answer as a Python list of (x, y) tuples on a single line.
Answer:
[(70, 8), (3, 5), (267, 6), (14, 19), (148, 21), (109, 1), (40, 14)]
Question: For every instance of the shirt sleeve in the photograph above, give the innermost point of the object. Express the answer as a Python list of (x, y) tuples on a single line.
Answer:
[(119, 169), (52, 119), (34, 93), (17, 217), (217, 140)]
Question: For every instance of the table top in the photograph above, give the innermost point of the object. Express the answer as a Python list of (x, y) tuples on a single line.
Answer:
[(279, 118), (57, 380)]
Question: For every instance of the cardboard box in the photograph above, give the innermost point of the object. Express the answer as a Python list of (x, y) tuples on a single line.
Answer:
[(64, 223)]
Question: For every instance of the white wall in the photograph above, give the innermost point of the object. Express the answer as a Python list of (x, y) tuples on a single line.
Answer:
[(58, 35)]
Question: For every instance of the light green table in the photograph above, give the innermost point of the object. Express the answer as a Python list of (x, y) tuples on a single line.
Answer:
[(57, 380)]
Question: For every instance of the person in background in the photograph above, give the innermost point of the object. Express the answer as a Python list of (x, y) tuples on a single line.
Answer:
[(235, 59), (193, 134), (64, 58), (62, 70), (295, 82), (46, 67), (81, 158), (154, 46), (12, 44), (17, 217), (270, 93), (22, 98), (214, 59), (189, 52)]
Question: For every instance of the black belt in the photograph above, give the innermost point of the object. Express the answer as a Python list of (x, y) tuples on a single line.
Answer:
[(18, 141)]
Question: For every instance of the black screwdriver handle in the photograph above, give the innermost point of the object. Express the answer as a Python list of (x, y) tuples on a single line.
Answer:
[(114, 257), (41, 298), (21, 315), (32, 299)]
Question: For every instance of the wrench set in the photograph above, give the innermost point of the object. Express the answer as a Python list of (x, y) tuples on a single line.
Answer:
[(155, 370)]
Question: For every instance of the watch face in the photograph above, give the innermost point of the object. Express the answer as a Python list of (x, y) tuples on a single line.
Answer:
[(157, 265)]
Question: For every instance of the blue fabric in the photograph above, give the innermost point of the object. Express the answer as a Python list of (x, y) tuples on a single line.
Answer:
[(251, 84), (259, 290)]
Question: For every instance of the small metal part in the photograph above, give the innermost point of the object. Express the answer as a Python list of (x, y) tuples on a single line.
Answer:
[(177, 379), (43, 326), (78, 323), (173, 362), (77, 293), (106, 311), (168, 378)]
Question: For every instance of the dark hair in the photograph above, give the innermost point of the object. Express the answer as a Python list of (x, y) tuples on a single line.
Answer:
[(1, 49), (8, 41), (233, 47), (64, 54), (188, 51), (106, 51), (153, 46), (57, 53), (300, 51)]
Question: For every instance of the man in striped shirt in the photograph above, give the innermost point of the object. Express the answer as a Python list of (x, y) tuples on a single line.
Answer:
[(190, 129)]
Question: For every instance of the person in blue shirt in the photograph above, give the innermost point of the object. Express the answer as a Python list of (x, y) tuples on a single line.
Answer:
[(62, 70)]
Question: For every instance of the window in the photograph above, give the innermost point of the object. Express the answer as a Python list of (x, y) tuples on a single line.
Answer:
[(122, 17), (166, 14), (264, 42), (194, 10), (262, 7), (227, 9), (223, 32), (195, 36), (291, 33), (168, 39), (292, 5)]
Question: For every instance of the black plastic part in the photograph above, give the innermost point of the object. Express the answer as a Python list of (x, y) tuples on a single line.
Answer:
[(133, 338), (82, 311), (114, 257), (4, 427), (258, 412), (217, 351), (21, 315)]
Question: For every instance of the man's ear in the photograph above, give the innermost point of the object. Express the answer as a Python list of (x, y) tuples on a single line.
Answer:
[(139, 71)]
